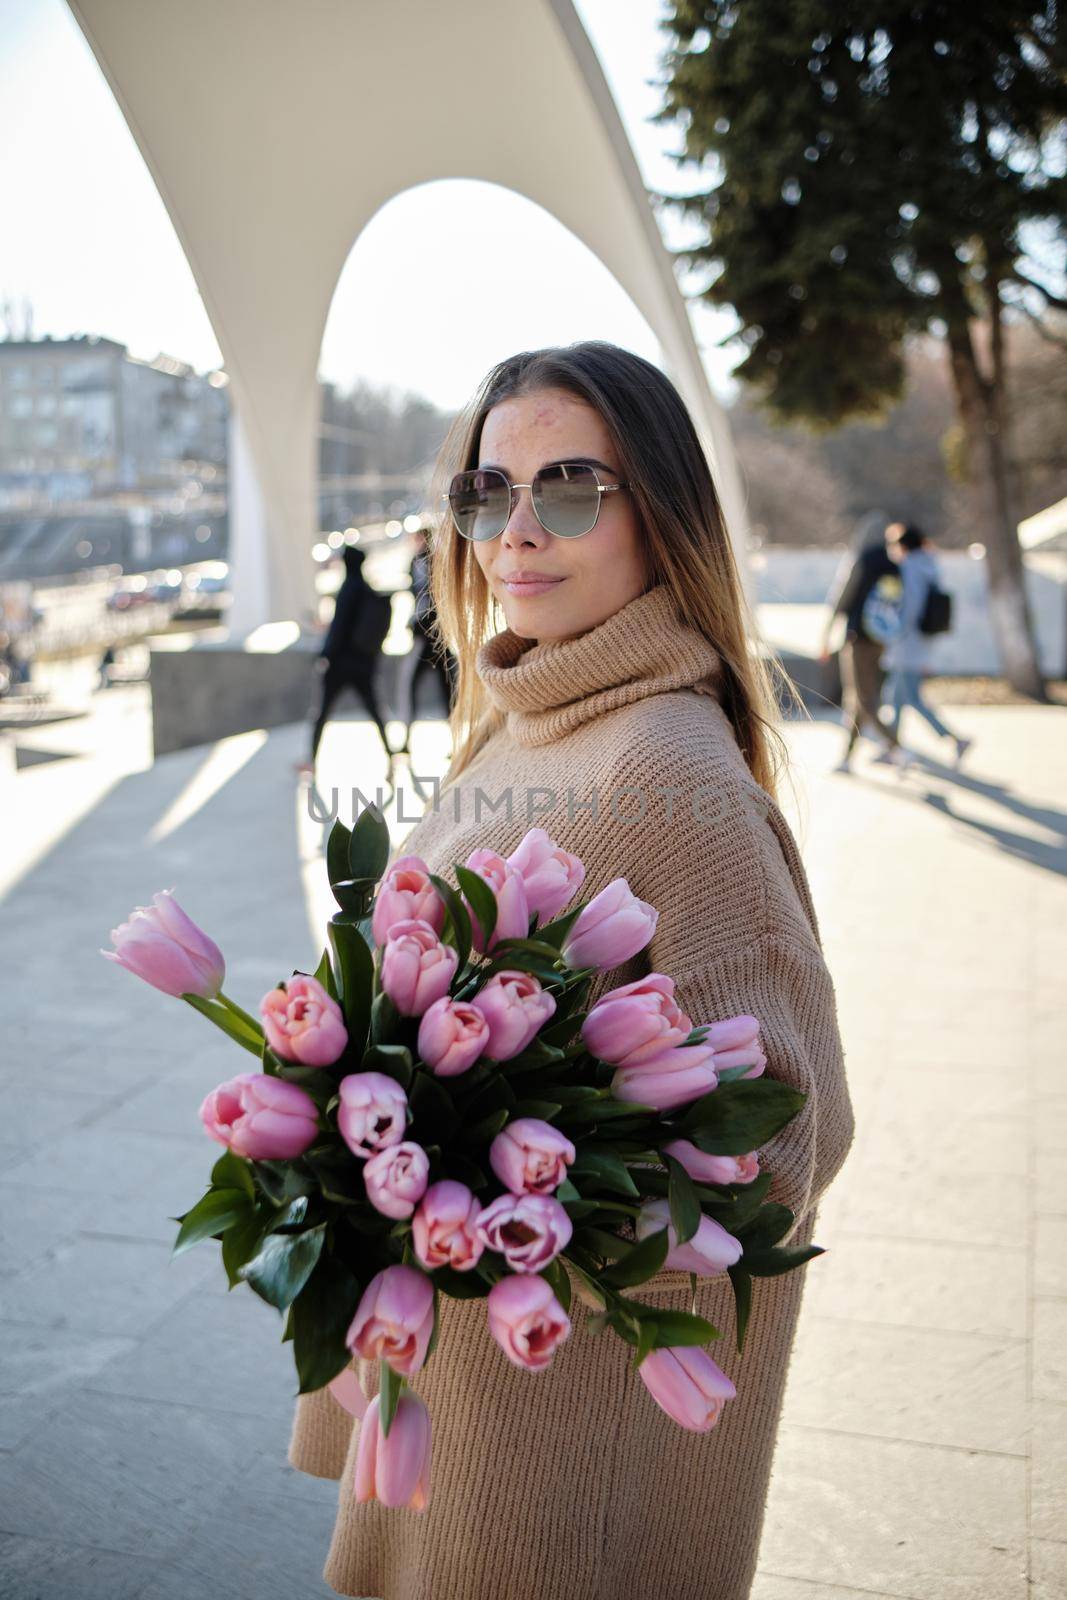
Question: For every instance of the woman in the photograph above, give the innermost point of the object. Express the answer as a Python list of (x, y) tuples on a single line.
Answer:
[(907, 657), (625, 681)]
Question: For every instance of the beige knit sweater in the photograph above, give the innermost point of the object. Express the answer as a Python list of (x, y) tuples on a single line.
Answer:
[(571, 1484)]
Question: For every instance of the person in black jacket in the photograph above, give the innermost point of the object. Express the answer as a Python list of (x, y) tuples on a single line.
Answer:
[(862, 675), (350, 651), (431, 658)]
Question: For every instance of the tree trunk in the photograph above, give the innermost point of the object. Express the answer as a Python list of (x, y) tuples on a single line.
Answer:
[(981, 402)]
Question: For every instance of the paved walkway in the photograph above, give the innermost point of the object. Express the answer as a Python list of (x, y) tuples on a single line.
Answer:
[(144, 1413)]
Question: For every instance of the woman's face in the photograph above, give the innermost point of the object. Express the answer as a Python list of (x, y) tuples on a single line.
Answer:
[(592, 576)]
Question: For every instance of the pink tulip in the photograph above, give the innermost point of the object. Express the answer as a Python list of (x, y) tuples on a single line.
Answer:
[(713, 1169), (614, 926), (395, 1320), (452, 1035), (527, 1321), (444, 1228), (347, 1391), (515, 1006), (635, 1021), (396, 1179), (530, 1156), (260, 1117), (160, 944), (404, 895), (395, 1468), (303, 1023), (667, 1080), (687, 1384), (550, 876), (529, 1230), (512, 913), (710, 1251), (416, 967), (373, 1112), (736, 1043)]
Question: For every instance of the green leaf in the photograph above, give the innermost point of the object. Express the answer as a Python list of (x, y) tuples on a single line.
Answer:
[(480, 898), (772, 1263), (390, 1384), (770, 1223), (457, 928), (434, 1118), (368, 845), (606, 1169), (485, 1130), (324, 975), (739, 1117), (218, 1210), (321, 1315), (355, 967), (337, 867), (555, 933), (544, 1110), (640, 1263), (242, 1239), (590, 1283), (394, 1060), (646, 1339), (460, 1285), (685, 1207), (284, 1264), (602, 1243), (229, 1022), (555, 1276), (679, 1327), (232, 1172), (384, 1018), (742, 1286)]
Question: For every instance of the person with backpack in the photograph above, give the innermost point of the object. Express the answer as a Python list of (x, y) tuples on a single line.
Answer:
[(866, 594), (349, 654), (925, 610)]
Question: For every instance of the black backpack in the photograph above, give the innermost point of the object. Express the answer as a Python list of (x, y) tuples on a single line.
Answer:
[(937, 611)]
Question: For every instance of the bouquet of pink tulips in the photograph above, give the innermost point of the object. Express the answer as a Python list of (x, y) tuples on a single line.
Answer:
[(434, 1111)]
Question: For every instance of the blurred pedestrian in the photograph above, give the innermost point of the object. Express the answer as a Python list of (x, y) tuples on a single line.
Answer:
[(349, 655), (907, 655), (431, 658), (868, 570)]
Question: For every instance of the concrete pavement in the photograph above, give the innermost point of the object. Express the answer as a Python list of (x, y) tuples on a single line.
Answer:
[(145, 1413)]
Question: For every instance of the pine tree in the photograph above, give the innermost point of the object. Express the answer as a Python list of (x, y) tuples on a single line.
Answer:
[(873, 170)]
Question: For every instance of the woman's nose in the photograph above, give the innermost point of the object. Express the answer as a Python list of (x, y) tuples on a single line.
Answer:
[(523, 526)]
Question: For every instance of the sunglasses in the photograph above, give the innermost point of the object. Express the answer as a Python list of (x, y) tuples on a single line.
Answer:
[(566, 500)]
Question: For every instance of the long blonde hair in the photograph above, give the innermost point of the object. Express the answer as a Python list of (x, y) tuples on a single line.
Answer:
[(687, 547)]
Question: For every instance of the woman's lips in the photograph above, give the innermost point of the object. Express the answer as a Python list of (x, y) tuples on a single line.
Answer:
[(527, 587)]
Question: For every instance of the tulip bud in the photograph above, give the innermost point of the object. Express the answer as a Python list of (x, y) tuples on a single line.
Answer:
[(687, 1384), (614, 926), (261, 1117), (303, 1023), (164, 947), (526, 1320), (394, 1468), (394, 1320)]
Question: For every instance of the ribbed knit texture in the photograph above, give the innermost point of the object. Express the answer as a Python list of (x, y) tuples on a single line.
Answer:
[(572, 1484)]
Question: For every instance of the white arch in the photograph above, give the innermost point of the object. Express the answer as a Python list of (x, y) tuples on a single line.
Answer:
[(275, 132)]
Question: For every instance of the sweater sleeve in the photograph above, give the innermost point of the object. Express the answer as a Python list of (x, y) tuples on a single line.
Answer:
[(738, 933)]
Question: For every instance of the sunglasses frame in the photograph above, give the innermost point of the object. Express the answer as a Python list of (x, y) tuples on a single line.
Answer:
[(602, 489)]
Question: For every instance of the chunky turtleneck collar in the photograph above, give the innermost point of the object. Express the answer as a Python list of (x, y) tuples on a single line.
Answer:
[(548, 689)]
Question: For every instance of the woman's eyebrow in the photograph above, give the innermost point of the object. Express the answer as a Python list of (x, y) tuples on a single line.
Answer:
[(578, 461)]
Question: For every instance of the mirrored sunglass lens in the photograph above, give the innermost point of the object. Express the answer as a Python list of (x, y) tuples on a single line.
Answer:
[(566, 499), (480, 503)]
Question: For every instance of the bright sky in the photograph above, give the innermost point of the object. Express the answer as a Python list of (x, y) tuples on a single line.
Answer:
[(87, 239)]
